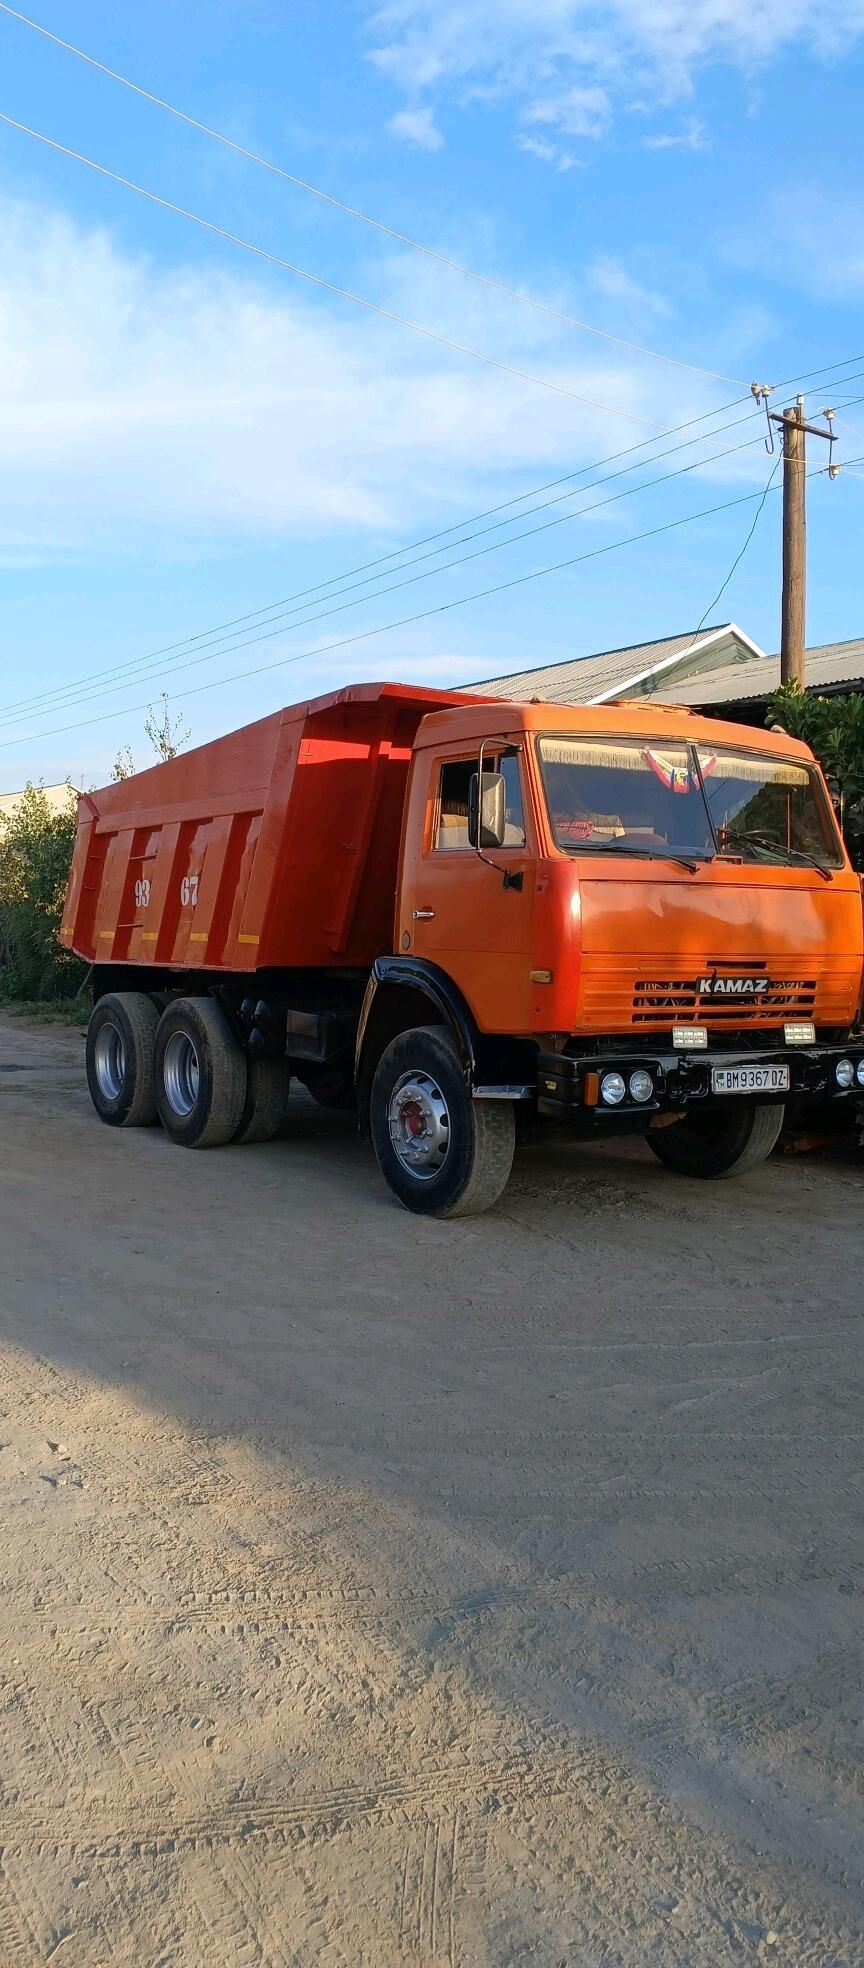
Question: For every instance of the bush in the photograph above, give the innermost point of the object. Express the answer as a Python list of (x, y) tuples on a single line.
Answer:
[(35, 854), (833, 727)]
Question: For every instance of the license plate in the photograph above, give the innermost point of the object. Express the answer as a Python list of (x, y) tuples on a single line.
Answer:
[(749, 1079)]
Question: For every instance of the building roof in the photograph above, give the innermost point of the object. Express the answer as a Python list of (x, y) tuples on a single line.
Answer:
[(57, 797), (614, 672), (830, 667)]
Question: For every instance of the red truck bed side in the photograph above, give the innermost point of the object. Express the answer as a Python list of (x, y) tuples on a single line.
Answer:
[(277, 845)]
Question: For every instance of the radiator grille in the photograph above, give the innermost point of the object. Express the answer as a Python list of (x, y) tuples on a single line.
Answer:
[(659, 1002)]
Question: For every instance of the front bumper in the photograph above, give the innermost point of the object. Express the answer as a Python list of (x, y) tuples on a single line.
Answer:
[(568, 1088)]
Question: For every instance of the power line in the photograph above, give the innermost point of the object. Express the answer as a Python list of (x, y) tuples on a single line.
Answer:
[(213, 636), (325, 614), (336, 580), (138, 668), (740, 555), (126, 675), (352, 211), (329, 286), (120, 676), (405, 621), (384, 628)]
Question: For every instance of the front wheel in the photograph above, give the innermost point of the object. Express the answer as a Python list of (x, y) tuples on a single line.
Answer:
[(718, 1143), (442, 1153)]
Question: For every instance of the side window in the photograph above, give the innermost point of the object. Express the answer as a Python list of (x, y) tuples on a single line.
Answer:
[(451, 824)]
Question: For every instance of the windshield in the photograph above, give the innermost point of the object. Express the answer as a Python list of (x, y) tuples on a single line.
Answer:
[(767, 807), (641, 796)]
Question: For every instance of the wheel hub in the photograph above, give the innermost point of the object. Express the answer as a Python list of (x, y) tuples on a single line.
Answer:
[(180, 1074), (419, 1124), (109, 1060)]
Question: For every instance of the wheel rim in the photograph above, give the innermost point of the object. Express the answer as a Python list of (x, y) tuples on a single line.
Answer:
[(180, 1074), (109, 1060), (419, 1123)]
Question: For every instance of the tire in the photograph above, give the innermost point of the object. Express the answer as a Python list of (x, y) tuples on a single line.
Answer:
[(121, 1044), (715, 1145), (201, 1076), (267, 1086), (464, 1153), (332, 1089)]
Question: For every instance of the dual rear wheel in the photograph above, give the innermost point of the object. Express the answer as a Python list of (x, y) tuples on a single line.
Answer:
[(184, 1069)]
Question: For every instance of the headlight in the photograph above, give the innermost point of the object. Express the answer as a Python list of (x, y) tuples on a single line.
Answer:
[(612, 1089), (860, 1073), (641, 1085), (844, 1072)]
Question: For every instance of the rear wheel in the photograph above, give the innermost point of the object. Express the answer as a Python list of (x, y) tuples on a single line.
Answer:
[(718, 1143), (442, 1153), (201, 1076), (121, 1040), (267, 1086)]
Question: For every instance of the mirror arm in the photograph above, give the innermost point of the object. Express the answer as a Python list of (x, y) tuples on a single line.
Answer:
[(477, 847)]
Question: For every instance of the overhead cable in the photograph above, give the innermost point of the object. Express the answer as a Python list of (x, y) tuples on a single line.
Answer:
[(405, 621), (329, 286), (353, 211)]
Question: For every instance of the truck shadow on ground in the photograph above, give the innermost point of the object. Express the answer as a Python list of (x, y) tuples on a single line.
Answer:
[(493, 1587)]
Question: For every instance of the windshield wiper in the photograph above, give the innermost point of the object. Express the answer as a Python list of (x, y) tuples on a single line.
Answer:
[(639, 853), (754, 837)]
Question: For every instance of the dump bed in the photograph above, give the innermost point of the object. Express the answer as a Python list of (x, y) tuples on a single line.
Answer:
[(277, 845)]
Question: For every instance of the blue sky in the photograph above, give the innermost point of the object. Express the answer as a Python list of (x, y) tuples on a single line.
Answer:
[(190, 434)]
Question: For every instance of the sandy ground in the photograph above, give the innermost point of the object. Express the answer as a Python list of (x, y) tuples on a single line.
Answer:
[(380, 1591)]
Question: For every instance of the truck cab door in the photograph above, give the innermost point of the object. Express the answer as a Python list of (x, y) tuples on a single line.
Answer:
[(473, 916)]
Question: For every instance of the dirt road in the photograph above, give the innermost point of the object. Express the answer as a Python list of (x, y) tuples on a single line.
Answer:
[(380, 1591)]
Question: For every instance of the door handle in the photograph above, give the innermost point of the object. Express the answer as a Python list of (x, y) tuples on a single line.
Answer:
[(423, 915)]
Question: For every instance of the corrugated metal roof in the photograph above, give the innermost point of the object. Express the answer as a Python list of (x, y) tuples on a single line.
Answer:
[(830, 664), (585, 678)]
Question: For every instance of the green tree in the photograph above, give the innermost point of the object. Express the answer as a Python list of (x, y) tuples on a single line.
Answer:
[(166, 734), (35, 853), (124, 766), (833, 727)]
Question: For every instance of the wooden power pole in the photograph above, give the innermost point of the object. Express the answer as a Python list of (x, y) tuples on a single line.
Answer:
[(794, 597), (793, 607)]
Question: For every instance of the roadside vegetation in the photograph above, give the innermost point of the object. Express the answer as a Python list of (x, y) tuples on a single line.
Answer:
[(833, 727), (35, 852), (39, 979)]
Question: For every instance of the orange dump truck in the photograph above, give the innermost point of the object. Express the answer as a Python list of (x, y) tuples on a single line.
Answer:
[(456, 911)]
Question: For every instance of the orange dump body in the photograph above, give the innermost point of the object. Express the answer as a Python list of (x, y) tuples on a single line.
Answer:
[(277, 845)]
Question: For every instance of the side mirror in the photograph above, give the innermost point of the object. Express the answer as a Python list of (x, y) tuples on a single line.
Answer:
[(493, 818)]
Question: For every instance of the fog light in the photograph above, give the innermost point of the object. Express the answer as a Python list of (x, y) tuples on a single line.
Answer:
[(612, 1089), (859, 1072), (844, 1072), (800, 1032), (641, 1085), (686, 1036)]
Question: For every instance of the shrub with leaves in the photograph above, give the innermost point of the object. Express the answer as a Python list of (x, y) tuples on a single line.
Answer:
[(833, 727), (35, 854)]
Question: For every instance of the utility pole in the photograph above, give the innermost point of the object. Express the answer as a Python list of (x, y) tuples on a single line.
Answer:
[(793, 604), (794, 597)]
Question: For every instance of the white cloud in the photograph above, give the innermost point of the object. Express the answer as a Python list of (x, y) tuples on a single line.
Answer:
[(694, 136), (548, 153), (552, 52), (152, 412), (417, 126), (578, 112), (611, 278)]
